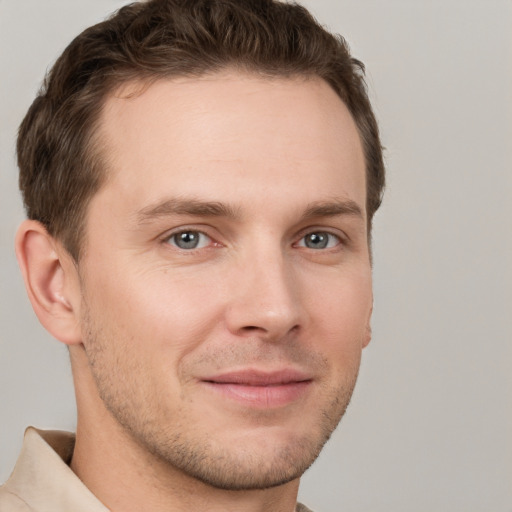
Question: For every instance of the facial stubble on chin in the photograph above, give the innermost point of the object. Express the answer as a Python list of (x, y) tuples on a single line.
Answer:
[(184, 447)]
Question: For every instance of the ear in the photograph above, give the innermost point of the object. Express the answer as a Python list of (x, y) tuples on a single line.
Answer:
[(51, 280)]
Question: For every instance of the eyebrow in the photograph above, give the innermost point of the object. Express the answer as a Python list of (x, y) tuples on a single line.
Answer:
[(193, 207), (333, 209), (199, 208)]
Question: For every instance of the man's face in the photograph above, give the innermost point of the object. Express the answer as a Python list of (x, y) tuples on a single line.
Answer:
[(226, 279)]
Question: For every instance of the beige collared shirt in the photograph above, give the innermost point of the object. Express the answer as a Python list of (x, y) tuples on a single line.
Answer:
[(42, 480)]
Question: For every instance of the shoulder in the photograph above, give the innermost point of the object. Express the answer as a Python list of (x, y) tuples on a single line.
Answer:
[(9, 502), (300, 508)]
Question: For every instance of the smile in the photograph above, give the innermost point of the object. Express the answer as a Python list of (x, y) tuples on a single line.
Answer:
[(261, 389)]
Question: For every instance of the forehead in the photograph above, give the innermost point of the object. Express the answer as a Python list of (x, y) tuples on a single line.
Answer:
[(230, 131)]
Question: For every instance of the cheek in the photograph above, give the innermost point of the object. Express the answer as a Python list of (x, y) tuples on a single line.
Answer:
[(340, 310), (157, 312)]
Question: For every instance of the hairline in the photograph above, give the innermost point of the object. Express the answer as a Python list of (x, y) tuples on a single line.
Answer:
[(96, 147)]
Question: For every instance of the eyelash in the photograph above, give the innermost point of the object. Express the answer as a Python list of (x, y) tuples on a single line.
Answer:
[(339, 240), (168, 239), (321, 233)]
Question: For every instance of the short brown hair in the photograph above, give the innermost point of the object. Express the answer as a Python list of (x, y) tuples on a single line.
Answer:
[(58, 153)]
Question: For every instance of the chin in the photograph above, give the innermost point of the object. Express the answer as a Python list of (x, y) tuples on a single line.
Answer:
[(258, 459), (261, 469)]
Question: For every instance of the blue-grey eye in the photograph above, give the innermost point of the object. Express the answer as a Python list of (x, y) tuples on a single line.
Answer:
[(319, 240), (189, 240)]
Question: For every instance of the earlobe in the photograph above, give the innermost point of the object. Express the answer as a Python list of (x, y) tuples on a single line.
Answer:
[(367, 335), (51, 281), (368, 329)]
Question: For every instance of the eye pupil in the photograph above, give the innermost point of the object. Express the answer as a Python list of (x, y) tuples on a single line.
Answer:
[(317, 240), (187, 240)]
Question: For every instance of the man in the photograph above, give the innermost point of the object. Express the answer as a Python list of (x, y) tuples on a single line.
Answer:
[(200, 178)]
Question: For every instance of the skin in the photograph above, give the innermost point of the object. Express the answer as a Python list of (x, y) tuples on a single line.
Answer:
[(262, 171)]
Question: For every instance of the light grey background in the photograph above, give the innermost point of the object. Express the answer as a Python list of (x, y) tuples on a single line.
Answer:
[(430, 425)]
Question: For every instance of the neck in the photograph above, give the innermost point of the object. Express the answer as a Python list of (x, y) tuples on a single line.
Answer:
[(127, 478)]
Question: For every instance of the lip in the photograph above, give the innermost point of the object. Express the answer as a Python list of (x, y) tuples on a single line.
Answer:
[(260, 389)]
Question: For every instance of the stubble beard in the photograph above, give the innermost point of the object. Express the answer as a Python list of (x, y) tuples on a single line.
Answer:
[(188, 449)]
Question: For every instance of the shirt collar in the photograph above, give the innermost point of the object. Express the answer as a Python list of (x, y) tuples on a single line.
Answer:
[(43, 479)]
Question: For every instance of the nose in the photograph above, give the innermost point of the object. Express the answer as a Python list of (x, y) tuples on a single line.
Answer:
[(265, 298)]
